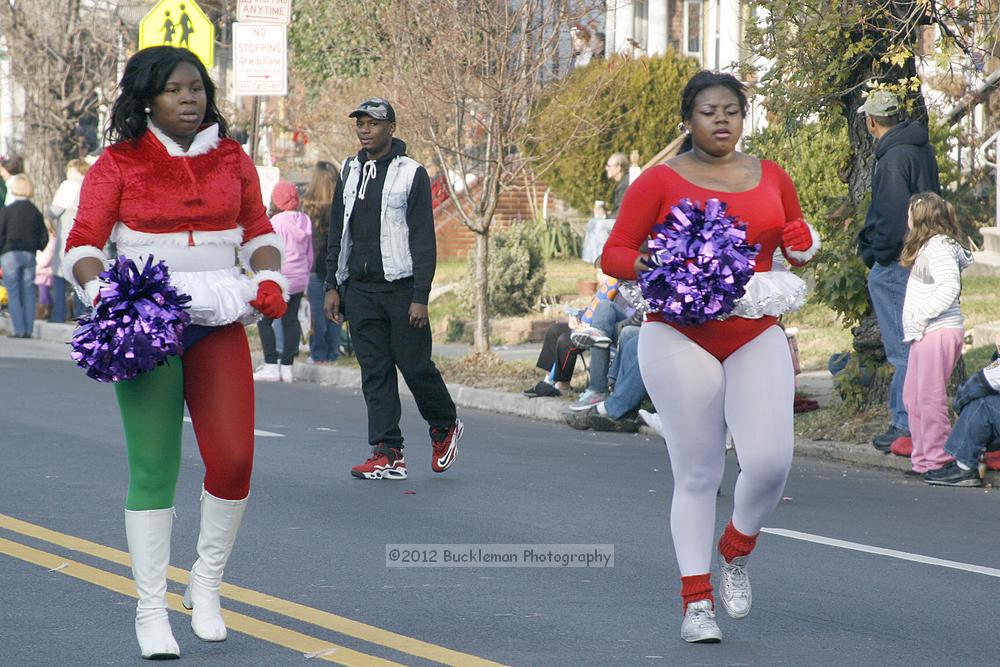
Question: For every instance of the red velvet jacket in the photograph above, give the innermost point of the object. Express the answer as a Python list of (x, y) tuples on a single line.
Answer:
[(150, 191)]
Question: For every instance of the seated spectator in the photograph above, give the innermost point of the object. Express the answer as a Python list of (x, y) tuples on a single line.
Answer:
[(601, 337), (558, 355), (557, 359), (978, 406), (618, 412)]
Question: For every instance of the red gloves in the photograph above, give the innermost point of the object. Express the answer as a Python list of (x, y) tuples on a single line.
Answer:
[(270, 301), (795, 236)]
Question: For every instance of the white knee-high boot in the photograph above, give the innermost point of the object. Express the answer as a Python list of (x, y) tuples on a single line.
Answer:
[(148, 535), (220, 521)]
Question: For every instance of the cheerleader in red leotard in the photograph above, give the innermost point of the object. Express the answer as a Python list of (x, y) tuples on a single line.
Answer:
[(734, 372)]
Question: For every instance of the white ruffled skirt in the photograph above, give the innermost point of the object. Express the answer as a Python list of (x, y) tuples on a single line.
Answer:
[(771, 293), (220, 293), (218, 297)]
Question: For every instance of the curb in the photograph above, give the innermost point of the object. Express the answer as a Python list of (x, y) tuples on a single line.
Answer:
[(542, 409), (46, 331), (551, 409)]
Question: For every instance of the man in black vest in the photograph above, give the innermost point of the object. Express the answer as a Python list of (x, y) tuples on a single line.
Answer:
[(381, 261)]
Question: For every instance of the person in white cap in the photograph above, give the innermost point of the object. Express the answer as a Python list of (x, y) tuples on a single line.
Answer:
[(904, 165)]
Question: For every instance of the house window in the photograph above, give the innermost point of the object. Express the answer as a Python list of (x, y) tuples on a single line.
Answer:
[(692, 26), (640, 22)]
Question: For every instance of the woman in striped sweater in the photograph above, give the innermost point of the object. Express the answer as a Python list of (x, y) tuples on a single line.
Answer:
[(932, 324)]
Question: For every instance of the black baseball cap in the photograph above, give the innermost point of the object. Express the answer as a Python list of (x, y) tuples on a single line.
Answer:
[(375, 107)]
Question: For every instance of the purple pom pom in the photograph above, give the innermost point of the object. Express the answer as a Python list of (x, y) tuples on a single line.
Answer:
[(700, 263), (136, 324)]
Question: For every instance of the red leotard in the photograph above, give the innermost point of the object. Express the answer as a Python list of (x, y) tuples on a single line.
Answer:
[(765, 209)]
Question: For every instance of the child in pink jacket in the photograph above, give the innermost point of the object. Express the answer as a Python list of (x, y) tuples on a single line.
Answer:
[(295, 229)]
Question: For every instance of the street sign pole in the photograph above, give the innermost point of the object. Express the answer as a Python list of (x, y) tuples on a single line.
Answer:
[(260, 60), (254, 128)]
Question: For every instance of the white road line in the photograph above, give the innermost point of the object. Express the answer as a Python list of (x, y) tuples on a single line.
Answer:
[(263, 434), (892, 553)]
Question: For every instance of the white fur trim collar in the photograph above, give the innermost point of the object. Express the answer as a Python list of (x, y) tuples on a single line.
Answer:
[(204, 142)]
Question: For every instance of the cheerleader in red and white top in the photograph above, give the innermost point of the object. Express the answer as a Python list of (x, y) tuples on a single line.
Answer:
[(734, 372), (174, 186)]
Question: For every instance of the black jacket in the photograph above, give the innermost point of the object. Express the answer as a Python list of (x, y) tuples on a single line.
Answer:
[(904, 165), (618, 196), (22, 227), (365, 260)]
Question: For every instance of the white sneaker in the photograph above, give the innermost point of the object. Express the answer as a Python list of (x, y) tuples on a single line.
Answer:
[(286, 373), (699, 626), (267, 373), (652, 420), (734, 591)]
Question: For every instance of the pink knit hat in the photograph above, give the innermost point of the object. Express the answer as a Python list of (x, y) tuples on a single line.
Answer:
[(285, 196)]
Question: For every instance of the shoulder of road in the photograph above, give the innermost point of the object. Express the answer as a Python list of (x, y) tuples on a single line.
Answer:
[(549, 409)]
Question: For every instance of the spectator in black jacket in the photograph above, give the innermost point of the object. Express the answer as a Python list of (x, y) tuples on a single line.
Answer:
[(22, 234), (904, 165)]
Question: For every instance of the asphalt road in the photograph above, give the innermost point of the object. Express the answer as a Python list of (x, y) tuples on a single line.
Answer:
[(311, 558)]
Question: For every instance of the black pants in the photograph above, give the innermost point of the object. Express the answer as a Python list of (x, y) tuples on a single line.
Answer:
[(558, 354), (291, 332), (384, 340)]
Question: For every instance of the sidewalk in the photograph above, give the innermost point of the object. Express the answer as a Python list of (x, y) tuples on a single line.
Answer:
[(817, 384)]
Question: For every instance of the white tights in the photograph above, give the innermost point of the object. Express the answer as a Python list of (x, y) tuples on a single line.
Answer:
[(697, 397)]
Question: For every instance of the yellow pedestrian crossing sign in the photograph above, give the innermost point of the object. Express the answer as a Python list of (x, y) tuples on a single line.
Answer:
[(179, 23)]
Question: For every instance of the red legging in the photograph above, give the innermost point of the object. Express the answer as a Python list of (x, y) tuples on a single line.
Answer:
[(214, 378), (218, 389)]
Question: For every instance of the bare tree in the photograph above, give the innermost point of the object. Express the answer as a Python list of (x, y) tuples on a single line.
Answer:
[(474, 72), (63, 54)]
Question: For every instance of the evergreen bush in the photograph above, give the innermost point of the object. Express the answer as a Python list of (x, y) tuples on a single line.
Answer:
[(516, 271)]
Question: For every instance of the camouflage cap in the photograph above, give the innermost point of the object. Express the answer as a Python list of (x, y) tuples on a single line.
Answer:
[(375, 107)]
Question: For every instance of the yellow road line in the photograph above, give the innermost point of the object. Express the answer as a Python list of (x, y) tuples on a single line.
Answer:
[(248, 625), (300, 612)]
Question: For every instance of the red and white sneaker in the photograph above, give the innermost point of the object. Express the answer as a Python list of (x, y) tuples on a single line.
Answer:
[(446, 449), (378, 466)]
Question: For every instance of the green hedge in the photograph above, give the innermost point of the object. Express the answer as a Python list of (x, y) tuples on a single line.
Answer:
[(626, 104)]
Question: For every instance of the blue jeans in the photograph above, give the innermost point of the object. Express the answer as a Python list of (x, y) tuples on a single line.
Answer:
[(977, 426), (58, 313), (19, 279), (606, 317), (324, 343), (629, 390), (887, 287)]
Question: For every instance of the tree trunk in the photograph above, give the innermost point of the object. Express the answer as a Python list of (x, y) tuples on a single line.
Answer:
[(481, 337), (875, 373)]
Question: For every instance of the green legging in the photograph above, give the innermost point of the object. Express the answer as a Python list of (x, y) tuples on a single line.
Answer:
[(152, 409)]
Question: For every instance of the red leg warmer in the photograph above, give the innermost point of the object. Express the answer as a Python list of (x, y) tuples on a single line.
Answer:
[(733, 543), (697, 587)]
